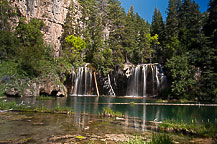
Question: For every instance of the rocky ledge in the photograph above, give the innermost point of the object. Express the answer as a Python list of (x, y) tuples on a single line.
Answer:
[(50, 85)]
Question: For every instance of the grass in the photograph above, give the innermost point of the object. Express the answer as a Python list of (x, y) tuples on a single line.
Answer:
[(206, 130), (16, 140), (136, 140), (132, 104), (110, 113), (4, 105), (162, 101), (156, 139), (161, 139)]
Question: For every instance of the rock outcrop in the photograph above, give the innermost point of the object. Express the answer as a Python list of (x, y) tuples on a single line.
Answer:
[(49, 85), (52, 12)]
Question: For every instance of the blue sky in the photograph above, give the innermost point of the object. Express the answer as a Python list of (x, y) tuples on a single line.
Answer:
[(145, 8)]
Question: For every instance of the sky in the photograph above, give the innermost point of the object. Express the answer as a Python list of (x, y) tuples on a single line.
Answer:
[(145, 8)]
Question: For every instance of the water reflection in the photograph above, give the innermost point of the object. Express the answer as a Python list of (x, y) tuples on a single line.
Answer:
[(136, 116)]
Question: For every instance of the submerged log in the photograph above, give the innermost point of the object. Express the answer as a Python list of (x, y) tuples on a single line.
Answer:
[(162, 104)]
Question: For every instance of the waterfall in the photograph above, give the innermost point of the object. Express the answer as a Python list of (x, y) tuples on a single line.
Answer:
[(156, 75), (133, 82), (111, 91), (83, 82), (108, 85), (144, 71), (145, 80), (152, 75)]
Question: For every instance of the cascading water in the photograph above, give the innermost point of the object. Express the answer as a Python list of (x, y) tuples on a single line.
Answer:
[(83, 82), (141, 80), (108, 85), (156, 75), (144, 71), (133, 82), (145, 80)]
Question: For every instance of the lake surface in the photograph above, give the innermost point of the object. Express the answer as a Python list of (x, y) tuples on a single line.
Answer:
[(86, 126), (129, 107)]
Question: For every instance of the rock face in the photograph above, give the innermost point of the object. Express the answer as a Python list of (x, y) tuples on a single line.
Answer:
[(49, 85), (52, 12)]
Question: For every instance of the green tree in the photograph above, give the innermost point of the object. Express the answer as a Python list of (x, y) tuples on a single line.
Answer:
[(102, 55), (90, 11), (172, 21), (172, 44), (98, 44), (74, 52), (143, 30), (32, 47), (8, 44), (209, 56), (8, 41), (158, 27), (179, 76), (71, 25), (117, 22), (6, 14), (130, 38)]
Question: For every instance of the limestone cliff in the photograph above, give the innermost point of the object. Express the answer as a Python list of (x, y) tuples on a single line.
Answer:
[(52, 12)]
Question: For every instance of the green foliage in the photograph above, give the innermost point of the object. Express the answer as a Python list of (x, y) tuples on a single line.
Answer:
[(8, 44), (101, 55), (107, 111), (136, 140), (71, 25), (31, 49), (186, 42), (202, 129), (74, 50), (172, 21), (161, 139), (209, 61), (6, 15), (132, 104), (5, 105), (180, 76), (156, 139), (117, 21), (8, 68)]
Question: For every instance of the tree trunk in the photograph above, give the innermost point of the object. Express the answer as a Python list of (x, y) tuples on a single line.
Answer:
[(97, 90)]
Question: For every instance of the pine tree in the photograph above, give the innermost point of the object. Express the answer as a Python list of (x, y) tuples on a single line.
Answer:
[(70, 27), (6, 15), (172, 43), (209, 56), (98, 44), (117, 21), (90, 10), (158, 27), (131, 33), (32, 48), (185, 16), (172, 20), (142, 30), (8, 40), (211, 26)]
